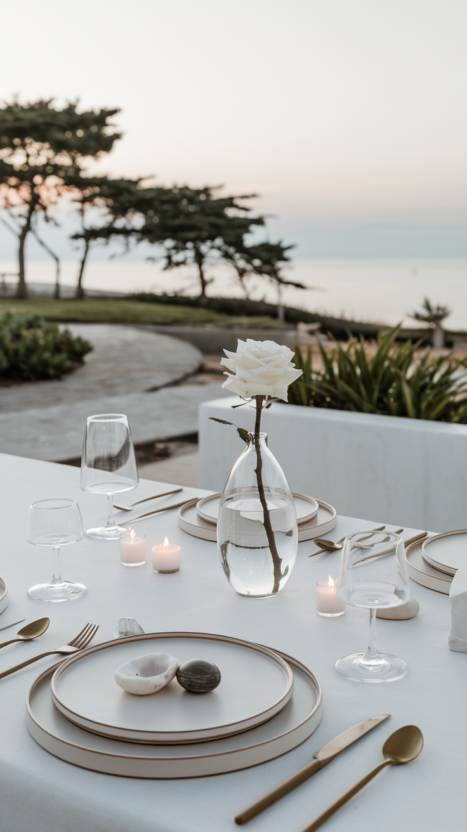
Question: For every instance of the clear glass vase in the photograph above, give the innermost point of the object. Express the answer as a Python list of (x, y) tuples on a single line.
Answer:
[(257, 534)]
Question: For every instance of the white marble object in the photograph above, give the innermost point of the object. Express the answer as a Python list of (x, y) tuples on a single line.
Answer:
[(147, 674), (458, 602), (408, 610)]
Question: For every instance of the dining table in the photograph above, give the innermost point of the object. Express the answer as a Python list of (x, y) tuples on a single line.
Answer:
[(41, 793)]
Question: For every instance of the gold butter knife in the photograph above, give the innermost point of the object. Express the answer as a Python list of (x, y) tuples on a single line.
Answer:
[(321, 758), (147, 499), (159, 510)]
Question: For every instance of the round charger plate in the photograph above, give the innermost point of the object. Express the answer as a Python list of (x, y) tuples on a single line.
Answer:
[(292, 726), (255, 685), (190, 522), (424, 574), (3, 596), (447, 552), (306, 508)]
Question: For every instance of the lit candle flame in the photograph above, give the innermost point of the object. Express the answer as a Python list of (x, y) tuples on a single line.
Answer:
[(330, 581), (166, 542), (132, 534)]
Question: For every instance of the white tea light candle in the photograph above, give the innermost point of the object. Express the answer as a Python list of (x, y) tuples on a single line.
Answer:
[(166, 557), (132, 549), (327, 602)]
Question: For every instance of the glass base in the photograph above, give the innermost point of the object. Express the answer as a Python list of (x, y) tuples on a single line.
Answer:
[(167, 571), (382, 668), (62, 591), (108, 532), (331, 614), (140, 563)]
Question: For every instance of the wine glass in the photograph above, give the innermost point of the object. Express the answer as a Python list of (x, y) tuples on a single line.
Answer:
[(108, 466), (55, 523), (373, 574)]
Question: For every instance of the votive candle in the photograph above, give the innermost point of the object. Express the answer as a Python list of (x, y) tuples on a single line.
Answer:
[(166, 557), (327, 602), (132, 549)]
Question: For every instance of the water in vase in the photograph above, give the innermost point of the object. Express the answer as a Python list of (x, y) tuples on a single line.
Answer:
[(252, 566)]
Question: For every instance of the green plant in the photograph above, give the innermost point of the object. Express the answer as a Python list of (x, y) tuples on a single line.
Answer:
[(391, 381), (32, 349)]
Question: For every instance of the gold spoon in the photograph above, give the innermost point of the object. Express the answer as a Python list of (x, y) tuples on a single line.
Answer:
[(401, 747), (330, 546), (30, 631)]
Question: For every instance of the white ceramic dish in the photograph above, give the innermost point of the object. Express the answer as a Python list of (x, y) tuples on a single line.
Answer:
[(324, 522), (446, 552), (3, 596), (424, 574), (292, 726), (256, 684), (306, 507)]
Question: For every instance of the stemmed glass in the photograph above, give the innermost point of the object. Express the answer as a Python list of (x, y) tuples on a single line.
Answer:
[(55, 523), (373, 574), (108, 466)]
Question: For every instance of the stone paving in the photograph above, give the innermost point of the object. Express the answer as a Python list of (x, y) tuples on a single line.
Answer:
[(46, 420)]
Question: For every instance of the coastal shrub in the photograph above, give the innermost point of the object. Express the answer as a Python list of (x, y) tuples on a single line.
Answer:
[(392, 380), (32, 349)]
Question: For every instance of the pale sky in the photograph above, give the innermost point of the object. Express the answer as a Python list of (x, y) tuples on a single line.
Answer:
[(341, 114)]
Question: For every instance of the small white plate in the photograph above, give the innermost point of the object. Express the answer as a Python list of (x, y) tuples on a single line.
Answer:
[(191, 523), (3, 596), (306, 507), (422, 573), (447, 551), (255, 685)]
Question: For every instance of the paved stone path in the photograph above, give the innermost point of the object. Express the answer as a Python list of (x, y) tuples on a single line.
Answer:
[(46, 420)]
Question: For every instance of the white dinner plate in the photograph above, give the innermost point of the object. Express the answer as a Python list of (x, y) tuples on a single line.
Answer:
[(305, 507), (447, 552), (67, 741), (255, 685), (3, 595), (423, 573), (190, 521)]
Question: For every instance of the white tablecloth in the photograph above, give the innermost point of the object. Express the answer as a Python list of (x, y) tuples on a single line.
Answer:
[(39, 793)]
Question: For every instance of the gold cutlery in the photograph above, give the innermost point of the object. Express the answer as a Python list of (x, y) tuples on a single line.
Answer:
[(401, 747), (32, 630), (78, 643), (330, 546), (147, 499), (12, 625), (159, 510), (417, 537), (321, 758)]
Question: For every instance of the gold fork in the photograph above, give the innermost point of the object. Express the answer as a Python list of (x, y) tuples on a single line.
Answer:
[(78, 643), (321, 540)]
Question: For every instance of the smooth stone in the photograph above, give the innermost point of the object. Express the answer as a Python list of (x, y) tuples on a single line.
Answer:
[(198, 676), (408, 610)]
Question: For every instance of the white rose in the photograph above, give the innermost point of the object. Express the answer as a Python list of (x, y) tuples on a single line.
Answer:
[(260, 368)]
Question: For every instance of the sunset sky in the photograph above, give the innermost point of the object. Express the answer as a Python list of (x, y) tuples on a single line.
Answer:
[(348, 117)]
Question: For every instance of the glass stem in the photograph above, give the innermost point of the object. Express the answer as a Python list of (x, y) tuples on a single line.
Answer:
[(372, 651), (110, 510), (57, 575)]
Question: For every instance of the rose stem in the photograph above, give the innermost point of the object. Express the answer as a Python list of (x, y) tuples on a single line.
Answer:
[(277, 561)]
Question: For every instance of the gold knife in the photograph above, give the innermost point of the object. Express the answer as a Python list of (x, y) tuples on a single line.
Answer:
[(321, 758), (159, 510)]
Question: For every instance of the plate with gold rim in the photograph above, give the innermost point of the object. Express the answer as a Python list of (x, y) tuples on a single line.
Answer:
[(292, 726), (3, 595), (306, 508), (191, 523), (423, 573), (446, 552), (255, 685)]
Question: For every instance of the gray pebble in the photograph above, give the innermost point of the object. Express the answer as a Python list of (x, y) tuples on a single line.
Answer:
[(198, 676)]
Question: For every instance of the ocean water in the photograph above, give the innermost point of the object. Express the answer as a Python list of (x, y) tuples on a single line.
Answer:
[(382, 291)]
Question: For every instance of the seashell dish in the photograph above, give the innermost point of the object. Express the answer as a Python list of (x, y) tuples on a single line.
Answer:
[(147, 674)]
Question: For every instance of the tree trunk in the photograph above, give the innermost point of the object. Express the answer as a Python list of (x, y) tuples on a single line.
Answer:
[(79, 286), (202, 278), (22, 289), (438, 336)]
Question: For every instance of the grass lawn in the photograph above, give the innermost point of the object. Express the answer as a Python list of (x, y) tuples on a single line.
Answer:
[(116, 310)]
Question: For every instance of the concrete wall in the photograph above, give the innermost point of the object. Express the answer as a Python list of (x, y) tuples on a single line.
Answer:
[(403, 471)]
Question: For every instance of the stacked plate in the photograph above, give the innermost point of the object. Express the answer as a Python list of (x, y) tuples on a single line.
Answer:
[(425, 570), (3, 595), (315, 517), (266, 704)]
